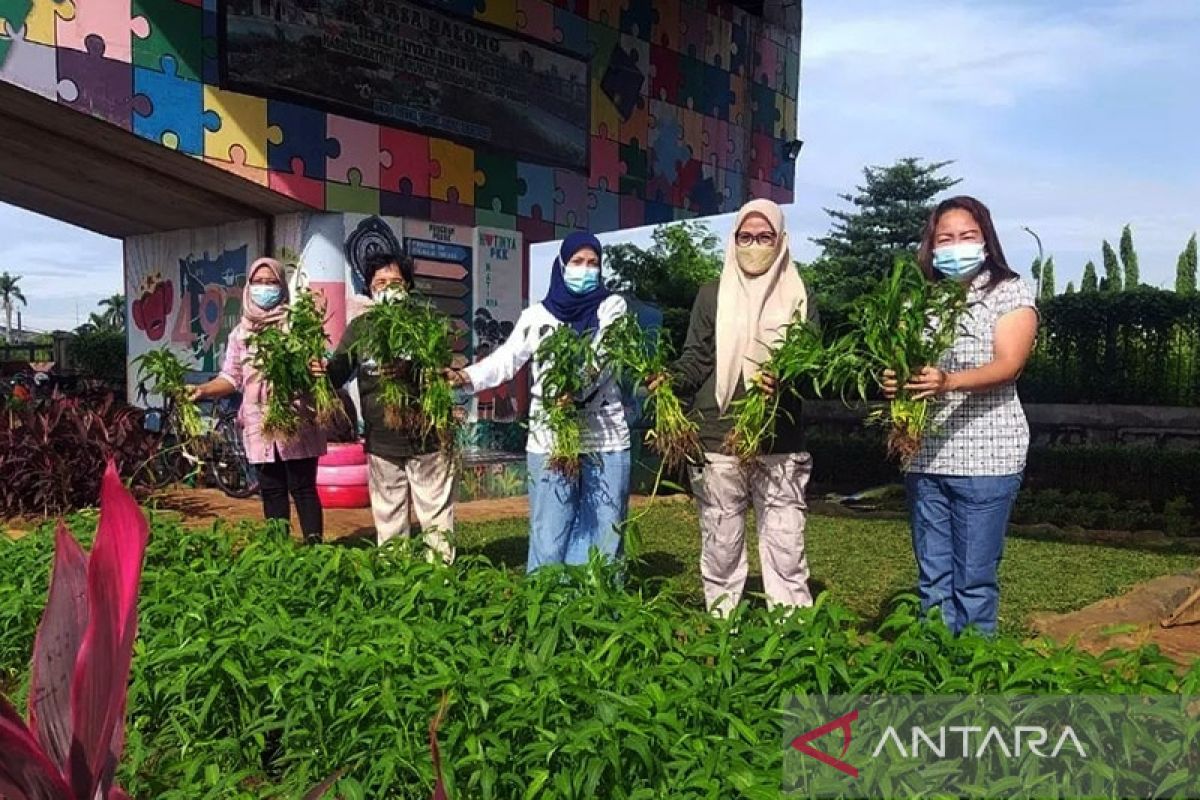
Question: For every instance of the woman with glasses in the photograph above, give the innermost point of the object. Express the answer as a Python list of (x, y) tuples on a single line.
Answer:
[(735, 321)]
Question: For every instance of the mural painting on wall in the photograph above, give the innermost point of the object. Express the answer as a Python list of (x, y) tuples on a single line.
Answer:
[(371, 235), (185, 290), (498, 303), (681, 109), (210, 293), (417, 67)]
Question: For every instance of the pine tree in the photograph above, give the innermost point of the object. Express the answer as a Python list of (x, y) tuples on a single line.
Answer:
[(1185, 270), (1090, 283), (887, 217), (1070, 287), (1129, 259), (1112, 270), (1048, 279)]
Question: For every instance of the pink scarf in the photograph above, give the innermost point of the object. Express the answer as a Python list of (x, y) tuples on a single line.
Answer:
[(254, 317)]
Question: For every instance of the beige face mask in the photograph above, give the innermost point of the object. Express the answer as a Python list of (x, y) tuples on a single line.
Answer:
[(755, 259)]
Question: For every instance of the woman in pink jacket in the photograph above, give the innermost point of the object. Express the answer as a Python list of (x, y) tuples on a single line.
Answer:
[(287, 467)]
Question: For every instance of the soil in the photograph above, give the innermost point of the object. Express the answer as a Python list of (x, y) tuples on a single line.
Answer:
[(201, 507), (1132, 620)]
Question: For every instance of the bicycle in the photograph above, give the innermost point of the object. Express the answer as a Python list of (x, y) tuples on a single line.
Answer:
[(217, 455)]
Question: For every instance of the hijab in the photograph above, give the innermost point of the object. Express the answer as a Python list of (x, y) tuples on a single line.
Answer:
[(580, 311), (753, 310), (255, 317)]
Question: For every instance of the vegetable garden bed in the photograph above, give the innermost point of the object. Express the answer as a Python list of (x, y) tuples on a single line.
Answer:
[(262, 667)]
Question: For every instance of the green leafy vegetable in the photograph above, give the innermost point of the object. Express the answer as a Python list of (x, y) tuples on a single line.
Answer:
[(800, 355), (638, 355), (283, 355), (905, 323), (410, 330), (166, 375), (569, 366)]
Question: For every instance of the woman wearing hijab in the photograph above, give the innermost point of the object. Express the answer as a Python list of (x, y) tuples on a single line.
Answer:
[(568, 516), (735, 321), (284, 468)]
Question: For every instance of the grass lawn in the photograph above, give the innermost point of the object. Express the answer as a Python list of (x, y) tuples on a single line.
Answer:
[(864, 563)]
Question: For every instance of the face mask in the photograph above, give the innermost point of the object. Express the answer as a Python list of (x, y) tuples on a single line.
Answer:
[(959, 262), (392, 294), (755, 259), (581, 280), (266, 296)]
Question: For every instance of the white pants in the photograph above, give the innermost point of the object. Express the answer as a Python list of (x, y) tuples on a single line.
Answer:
[(429, 480), (724, 489)]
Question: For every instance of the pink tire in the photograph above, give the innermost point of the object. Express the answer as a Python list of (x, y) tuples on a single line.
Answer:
[(344, 496), (344, 455), (350, 475)]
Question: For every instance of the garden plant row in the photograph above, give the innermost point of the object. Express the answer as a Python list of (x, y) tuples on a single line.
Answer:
[(261, 668)]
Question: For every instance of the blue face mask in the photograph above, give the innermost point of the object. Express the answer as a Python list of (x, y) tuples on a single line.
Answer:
[(960, 261), (266, 296), (581, 280)]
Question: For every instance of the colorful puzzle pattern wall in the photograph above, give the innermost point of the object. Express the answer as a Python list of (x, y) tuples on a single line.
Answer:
[(692, 104)]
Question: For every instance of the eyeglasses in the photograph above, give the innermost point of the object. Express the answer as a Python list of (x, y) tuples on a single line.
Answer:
[(766, 239), (379, 287)]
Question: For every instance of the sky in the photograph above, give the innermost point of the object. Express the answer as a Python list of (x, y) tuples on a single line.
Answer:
[(1073, 119)]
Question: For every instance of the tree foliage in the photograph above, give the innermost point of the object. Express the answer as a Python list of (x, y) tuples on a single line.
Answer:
[(886, 219), (681, 257), (10, 295), (1185, 269), (1134, 347), (1129, 259), (1090, 283), (100, 353), (1112, 269), (1048, 289)]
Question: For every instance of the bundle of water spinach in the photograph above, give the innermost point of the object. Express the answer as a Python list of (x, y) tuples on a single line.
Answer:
[(639, 356), (569, 366)]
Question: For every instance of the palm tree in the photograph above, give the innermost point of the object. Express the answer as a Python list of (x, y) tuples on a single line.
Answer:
[(113, 311), (10, 295)]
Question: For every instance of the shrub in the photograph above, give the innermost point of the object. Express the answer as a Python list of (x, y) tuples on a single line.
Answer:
[(1140, 346), (100, 354), (53, 452)]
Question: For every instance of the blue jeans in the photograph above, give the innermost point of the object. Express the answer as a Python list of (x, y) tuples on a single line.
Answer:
[(958, 527), (568, 517)]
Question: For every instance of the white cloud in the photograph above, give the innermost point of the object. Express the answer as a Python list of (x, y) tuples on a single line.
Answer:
[(882, 80), (61, 267), (968, 55)]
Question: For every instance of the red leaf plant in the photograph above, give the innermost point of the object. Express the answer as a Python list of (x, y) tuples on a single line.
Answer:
[(79, 679), (81, 659)]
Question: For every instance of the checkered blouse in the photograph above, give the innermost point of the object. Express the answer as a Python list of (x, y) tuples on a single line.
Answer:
[(979, 433)]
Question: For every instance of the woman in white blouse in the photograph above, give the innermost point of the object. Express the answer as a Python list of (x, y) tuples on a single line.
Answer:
[(962, 484), (568, 515)]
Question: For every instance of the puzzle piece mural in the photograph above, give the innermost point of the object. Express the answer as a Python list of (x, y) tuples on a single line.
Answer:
[(626, 112)]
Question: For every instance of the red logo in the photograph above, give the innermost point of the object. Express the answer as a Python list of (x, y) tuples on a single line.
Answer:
[(801, 743)]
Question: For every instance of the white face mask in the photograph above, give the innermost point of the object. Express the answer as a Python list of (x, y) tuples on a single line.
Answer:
[(755, 259), (392, 294)]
